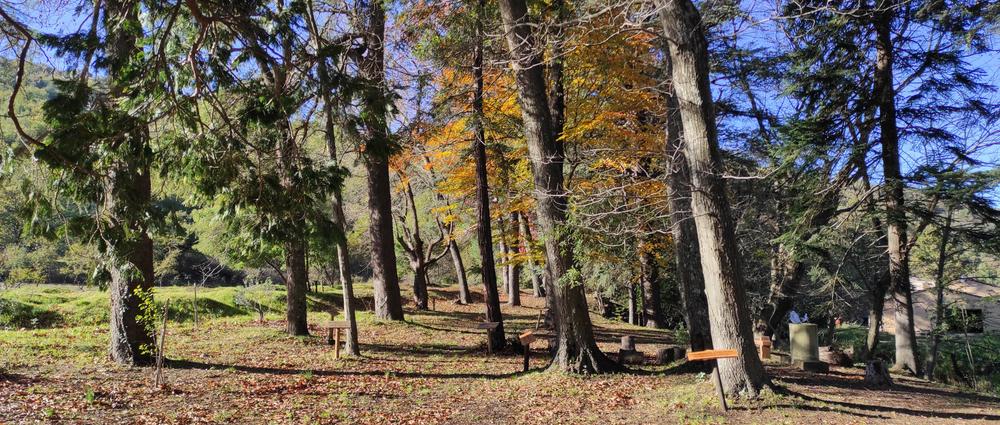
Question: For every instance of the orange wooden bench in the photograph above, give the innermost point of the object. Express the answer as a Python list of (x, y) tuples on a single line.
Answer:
[(713, 355)]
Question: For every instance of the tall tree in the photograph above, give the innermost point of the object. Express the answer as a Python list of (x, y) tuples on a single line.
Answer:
[(576, 350), (682, 226), (724, 287), (650, 274), (421, 255), (99, 141), (484, 234), (907, 355), (369, 22), (537, 287), (332, 115), (514, 260)]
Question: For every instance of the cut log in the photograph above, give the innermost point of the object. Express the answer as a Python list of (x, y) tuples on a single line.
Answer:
[(628, 343), (665, 355)]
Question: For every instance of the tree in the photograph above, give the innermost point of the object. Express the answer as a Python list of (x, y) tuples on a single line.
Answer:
[(378, 146), (907, 356), (721, 268), (484, 234), (99, 140), (332, 114), (683, 229), (576, 350), (537, 287), (421, 254)]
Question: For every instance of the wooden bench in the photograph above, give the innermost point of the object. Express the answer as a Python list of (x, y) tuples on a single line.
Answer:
[(333, 329), (490, 327), (713, 355)]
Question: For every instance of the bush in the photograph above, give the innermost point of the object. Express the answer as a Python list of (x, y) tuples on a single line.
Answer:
[(24, 276)]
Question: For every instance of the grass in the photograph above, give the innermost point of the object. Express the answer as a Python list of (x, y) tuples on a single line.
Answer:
[(52, 306), (431, 368)]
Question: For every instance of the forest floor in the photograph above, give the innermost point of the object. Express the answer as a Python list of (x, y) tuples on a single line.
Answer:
[(430, 369)]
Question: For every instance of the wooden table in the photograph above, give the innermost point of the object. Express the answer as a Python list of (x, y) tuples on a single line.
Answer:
[(333, 334)]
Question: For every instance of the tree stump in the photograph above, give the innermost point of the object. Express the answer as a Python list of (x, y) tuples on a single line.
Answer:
[(665, 355), (877, 375), (679, 352), (628, 354), (628, 343)]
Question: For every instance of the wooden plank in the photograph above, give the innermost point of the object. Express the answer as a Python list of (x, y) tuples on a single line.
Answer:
[(711, 355), (339, 324), (488, 325), (528, 337)]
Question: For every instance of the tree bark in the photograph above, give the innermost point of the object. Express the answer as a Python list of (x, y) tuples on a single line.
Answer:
[(131, 340), (128, 188), (537, 287), (685, 235), (907, 353), (337, 202), (721, 268), (463, 283), (652, 310), (504, 256), (483, 232), (295, 288), (420, 254), (877, 295), (939, 287), (633, 309), (786, 277), (514, 291), (420, 286), (377, 149), (575, 347)]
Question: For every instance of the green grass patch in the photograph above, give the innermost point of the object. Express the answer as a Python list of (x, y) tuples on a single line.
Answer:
[(51, 306)]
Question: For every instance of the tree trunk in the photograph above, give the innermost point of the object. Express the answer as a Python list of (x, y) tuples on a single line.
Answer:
[(296, 285), (939, 287), (483, 232), (463, 283), (899, 261), (504, 256), (128, 189), (514, 291), (131, 340), (575, 347), (337, 202), (377, 149), (537, 287), (877, 294), (683, 230), (420, 285), (352, 346), (633, 309), (721, 268), (786, 277), (650, 290)]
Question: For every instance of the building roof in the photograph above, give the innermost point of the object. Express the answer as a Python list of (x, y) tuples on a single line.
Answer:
[(966, 286)]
